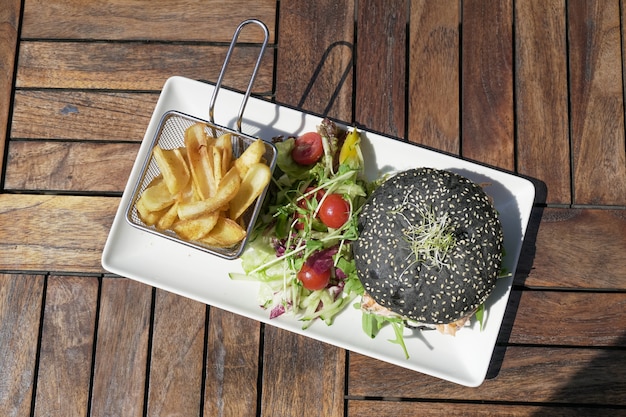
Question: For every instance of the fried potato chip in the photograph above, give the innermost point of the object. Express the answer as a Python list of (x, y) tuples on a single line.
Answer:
[(225, 144), (252, 155), (252, 185), (217, 164), (157, 196), (225, 233), (225, 192), (168, 218), (172, 164), (200, 165), (150, 218), (194, 229)]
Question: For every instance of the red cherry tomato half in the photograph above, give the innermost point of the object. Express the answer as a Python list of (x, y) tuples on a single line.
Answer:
[(308, 149), (313, 280), (335, 211)]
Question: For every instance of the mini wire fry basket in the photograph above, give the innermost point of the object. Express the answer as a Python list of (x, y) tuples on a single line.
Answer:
[(170, 135)]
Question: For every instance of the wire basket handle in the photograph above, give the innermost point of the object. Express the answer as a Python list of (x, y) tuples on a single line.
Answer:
[(218, 84)]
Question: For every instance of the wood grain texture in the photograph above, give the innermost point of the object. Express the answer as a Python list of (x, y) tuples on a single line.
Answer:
[(54, 233), (433, 90), (565, 318), (135, 65), (176, 357), (380, 95), (314, 61), (20, 312), (121, 352), (172, 20), (580, 249), (9, 27), (69, 166), (486, 79), (527, 375), (66, 346), (232, 366), (301, 376), (487, 82), (81, 115), (363, 408), (541, 98), (597, 103)]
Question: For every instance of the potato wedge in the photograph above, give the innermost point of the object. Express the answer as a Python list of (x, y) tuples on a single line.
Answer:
[(157, 196), (225, 144), (225, 192), (168, 218), (150, 218), (252, 155), (194, 229), (225, 233), (217, 164), (252, 185), (200, 165), (172, 165)]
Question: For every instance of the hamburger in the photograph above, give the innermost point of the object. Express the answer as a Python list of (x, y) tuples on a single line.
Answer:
[(429, 249)]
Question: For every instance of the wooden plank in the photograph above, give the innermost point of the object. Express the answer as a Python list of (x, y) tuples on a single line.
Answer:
[(69, 166), (597, 104), (380, 94), (529, 375), (67, 339), (565, 318), (487, 82), (541, 98), (176, 358), (577, 248), (54, 233), (81, 115), (195, 20), (121, 353), (301, 376), (20, 311), (384, 408), (433, 96), (232, 366), (9, 28), (135, 65), (314, 65)]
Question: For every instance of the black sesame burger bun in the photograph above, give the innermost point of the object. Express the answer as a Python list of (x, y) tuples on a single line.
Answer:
[(412, 278)]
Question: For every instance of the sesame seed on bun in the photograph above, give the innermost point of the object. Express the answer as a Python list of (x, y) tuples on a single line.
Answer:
[(429, 246)]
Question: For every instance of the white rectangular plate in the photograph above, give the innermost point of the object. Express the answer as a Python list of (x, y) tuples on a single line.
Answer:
[(162, 263)]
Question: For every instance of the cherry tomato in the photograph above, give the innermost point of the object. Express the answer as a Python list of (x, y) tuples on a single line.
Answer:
[(308, 149), (335, 211), (313, 280)]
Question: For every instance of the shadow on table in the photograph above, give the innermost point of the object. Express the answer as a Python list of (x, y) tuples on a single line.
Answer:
[(338, 48), (524, 266), (597, 389)]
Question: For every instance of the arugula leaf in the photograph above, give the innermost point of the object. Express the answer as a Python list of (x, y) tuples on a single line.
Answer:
[(372, 323), (480, 315)]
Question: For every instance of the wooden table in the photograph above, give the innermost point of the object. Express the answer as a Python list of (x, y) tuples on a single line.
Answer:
[(535, 87)]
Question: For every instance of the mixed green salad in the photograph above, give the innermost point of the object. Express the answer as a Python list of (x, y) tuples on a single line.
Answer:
[(300, 249)]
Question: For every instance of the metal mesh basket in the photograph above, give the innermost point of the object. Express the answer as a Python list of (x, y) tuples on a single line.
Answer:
[(170, 135)]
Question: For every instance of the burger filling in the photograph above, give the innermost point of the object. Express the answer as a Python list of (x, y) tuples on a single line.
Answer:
[(369, 305)]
